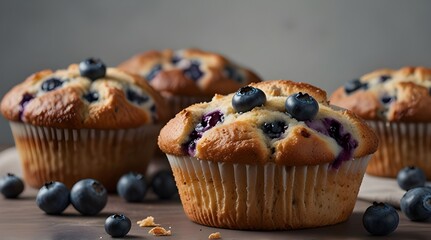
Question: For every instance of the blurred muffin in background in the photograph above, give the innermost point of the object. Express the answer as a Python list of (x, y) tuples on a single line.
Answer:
[(86, 121), (397, 104), (188, 76)]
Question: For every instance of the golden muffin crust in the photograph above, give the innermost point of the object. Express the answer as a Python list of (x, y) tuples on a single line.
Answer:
[(332, 135), (402, 95), (189, 72), (65, 99)]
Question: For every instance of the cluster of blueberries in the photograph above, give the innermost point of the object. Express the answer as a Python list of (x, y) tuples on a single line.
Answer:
[(382, 219), (89, 197)]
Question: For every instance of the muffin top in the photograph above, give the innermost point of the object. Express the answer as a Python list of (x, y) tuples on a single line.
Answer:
[(402, 95), (189, 72), (278, 121), (87, 95)]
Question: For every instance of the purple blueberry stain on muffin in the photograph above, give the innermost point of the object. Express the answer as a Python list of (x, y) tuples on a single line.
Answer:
[(193, 71), (334, 129), (26, 98), (153, 72), (207, 122)]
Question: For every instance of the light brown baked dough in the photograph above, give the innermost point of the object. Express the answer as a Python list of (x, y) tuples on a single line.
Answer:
[(408, 89), (239, 138), (66, 106), (166, 71)]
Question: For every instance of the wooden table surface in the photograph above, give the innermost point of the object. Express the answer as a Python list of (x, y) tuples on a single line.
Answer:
[(22, 219)]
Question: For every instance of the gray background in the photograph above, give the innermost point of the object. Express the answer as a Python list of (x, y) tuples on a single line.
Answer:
[(323, 42)]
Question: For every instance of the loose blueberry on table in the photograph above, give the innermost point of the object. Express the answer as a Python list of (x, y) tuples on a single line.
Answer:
[(51, 84), (11, 186), (302, 106), (380, 219), (92, 68), (117, 225), (88, 196), (163, 185), (411, 177), (132, 187), (53, 197), (247, 98), (416, 204)]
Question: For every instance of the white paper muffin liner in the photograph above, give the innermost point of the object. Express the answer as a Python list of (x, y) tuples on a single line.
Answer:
[(401, 145), (69, 155), (266, 197)]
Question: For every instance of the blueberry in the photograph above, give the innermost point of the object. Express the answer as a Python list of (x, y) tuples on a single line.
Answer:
[(380, 219), (153, 72), (26, 98), (384, 78), (208, 121), (247, 98), (135, 97), (53, 197), (193, 71), (51, 84), (132, 187), (233, 73), (91, 97), (11, 186), (387, 99), (274, 129), (416, 204), (163, 184), (411, 177), (117, 225), (88, 196), (92, 68), (301, 106), (175, 59), (354, 85)]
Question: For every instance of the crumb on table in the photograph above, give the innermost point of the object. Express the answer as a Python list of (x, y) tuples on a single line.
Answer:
[(215, 235), (159, 231), (147, 222)]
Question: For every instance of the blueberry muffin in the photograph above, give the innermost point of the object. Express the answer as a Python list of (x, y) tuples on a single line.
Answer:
[(87, 121), (188, 76), (273, 155), (396, 103)]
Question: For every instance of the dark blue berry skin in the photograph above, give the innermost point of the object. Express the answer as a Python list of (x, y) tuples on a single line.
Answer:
[(387, 99), (92, 68), (88, 196), (302, 106), (132, 187), (91, 97), (26, 98), (193, 71), (274, 129), (411, 177), (163, 185), (117, 225), (53, 198), (354, 85), (380, 219), (11, 186), (175, 59), (247, 98), (51, 84), (135, 97), (153, 72), (416, 204), (384, 78), (232, 73)]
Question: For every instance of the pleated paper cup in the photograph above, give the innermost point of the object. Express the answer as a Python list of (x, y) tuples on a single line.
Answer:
[(267, 197), (401, 145), (69, 155)]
